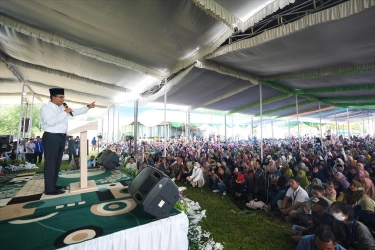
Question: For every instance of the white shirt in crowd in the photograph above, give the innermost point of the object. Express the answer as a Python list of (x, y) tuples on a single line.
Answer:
[(131, 165), (30, 146), (54, 119), (299, 195), (197, 175)]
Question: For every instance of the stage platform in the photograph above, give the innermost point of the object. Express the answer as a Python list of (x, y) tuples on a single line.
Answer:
[(104, 219)]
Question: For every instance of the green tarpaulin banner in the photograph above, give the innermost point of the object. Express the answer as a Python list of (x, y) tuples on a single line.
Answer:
[(176, 124), (313, 124)]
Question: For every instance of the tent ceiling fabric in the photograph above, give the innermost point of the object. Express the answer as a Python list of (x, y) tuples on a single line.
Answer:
[(330, 81), (347, 41), (242, 99), (98, 50), (215, 84)]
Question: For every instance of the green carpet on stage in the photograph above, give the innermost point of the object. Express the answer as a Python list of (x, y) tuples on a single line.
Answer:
[(37, 221)]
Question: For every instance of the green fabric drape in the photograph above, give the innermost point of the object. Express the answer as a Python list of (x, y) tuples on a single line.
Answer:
[(243, 126), (214, 125), (176, 124), (287, 124), (313, 124), (196, 124), (267, 101)]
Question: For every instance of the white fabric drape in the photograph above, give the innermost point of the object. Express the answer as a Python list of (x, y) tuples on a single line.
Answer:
[(42, 69), (222, 69), (171, 83), (165, 234), (337, 12), (323, 72), (218, 12), (269, 9), (50, 38)]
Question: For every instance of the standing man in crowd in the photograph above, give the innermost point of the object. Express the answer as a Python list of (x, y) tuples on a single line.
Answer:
[(38, 152), (30, 146), (54, 116), (72, 148), (77, 145)]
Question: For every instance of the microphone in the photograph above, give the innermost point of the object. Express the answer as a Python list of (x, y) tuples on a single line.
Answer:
[(66, 105)]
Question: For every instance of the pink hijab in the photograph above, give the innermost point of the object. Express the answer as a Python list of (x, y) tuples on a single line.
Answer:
[(369, 188)]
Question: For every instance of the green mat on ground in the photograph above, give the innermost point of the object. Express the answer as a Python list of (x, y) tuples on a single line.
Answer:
[(46, 222)]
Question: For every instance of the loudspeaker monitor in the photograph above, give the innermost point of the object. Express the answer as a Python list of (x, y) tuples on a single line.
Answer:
[(154, 191), (111, 160), (102, 155)]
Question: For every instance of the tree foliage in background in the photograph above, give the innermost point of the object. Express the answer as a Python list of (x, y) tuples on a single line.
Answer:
[(9, 120)]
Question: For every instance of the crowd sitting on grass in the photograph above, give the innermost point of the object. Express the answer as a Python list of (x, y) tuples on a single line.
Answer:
[(312, 184)]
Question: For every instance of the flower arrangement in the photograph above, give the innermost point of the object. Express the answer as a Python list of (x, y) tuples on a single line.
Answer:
[(198, 239), (130, 171)]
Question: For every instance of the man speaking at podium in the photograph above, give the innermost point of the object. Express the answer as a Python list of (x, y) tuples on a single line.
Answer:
[(54, 116)]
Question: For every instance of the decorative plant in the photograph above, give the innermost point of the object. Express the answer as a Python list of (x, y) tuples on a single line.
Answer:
[(198, 239)]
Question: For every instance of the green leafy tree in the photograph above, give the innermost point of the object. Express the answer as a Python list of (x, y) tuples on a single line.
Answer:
[(10, 115)]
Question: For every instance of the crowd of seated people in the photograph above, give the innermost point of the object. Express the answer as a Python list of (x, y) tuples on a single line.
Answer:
[(328, 184)]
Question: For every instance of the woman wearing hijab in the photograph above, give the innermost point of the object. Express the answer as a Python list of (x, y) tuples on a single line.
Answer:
[(365, 212), (369, 188), (338, 176), (360, 167), (314, 182), (352, 194), (303, 181), (324, 169), (287, 172), (292, 164), (317, 173)]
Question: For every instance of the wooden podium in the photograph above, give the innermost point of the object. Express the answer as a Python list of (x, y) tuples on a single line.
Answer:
[(84, 185)]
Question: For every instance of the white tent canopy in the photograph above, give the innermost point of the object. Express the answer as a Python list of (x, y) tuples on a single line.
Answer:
[(113, 51)]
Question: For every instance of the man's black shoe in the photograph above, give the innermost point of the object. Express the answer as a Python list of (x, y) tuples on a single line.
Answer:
[(60, 187), (56, 192)]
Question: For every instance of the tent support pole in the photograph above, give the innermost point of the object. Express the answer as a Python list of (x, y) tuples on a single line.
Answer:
[(363, 124), (31, 117), (225, 127), (336, 123), (20, 120), (232, 130), (320, 123), (299, 135), (165, 119), (347, 115), (135, 126), (261, 120), (113, 124), (252, 127)]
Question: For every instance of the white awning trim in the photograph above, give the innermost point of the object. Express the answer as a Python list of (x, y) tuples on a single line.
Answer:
[(224, 70), (221, 97), (50, 38), (218, 12), (15, 62), (322, 72), (268, 10), (96, 97), (72, 101), (9, 81), (38, 96), (336, 12), (170, 83)]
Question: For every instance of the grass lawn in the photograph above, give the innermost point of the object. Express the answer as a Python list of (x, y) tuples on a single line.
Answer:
[(239, 231), (228, 224)]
